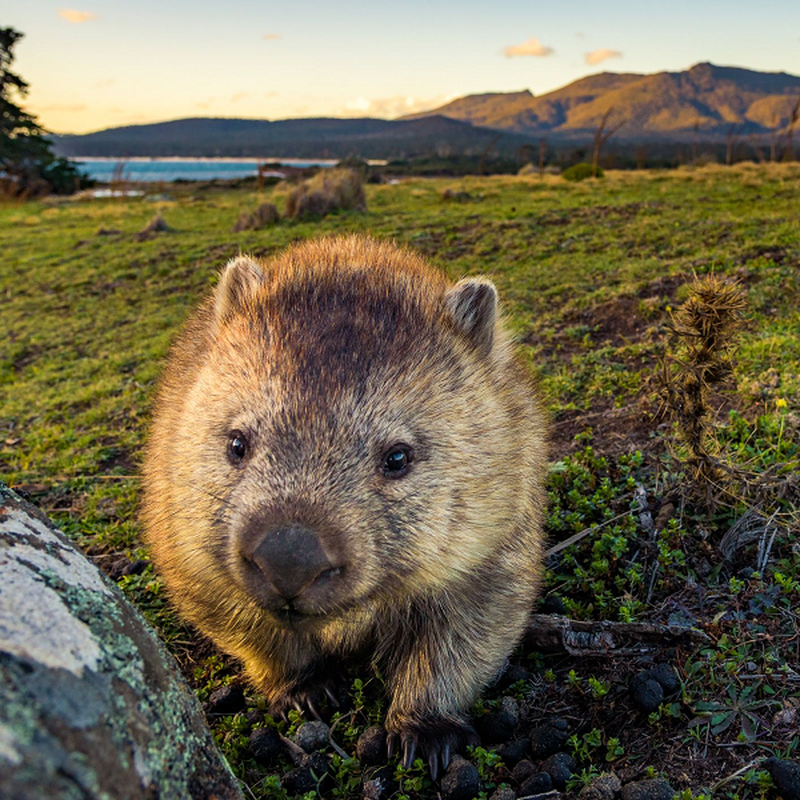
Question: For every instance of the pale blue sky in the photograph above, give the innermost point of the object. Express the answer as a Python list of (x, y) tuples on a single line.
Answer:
[(148, 61)]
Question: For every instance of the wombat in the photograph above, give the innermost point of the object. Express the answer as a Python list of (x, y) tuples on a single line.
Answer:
[(346, 460)]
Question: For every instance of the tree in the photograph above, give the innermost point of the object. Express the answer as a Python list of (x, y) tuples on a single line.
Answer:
[(28, 165), (601, 136)]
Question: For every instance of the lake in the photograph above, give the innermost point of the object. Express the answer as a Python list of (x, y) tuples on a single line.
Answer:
[(188, 169)]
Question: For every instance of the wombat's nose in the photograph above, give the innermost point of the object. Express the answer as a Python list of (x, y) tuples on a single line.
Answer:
[(291, 559)]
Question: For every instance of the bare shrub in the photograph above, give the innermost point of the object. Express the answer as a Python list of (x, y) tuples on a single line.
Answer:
[(266, 214), (328, 191)]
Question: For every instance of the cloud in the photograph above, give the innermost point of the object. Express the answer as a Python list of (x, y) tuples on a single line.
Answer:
[(239, 96), (205, 103), (272, 37), (596, 56), (76, 17), (390, 107), (105, 83), (533, 47)]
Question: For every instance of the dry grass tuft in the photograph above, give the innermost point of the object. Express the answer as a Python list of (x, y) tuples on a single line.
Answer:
[(266, 214), (328, 191)]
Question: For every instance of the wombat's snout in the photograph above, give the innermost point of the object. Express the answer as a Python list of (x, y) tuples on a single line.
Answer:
[(293, 561)]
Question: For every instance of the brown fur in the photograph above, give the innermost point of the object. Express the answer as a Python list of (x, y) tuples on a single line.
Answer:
[(326, 355)]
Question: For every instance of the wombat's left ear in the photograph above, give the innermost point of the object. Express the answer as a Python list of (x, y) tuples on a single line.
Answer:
[(472, 304), (239, 278)]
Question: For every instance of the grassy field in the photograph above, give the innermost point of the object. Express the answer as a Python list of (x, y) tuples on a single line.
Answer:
[(591, 275)]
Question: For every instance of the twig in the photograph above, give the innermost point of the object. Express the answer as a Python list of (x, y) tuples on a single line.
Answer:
[(576, 537), (556, 634)]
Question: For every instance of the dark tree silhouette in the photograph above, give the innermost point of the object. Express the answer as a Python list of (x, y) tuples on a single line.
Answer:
[(27, 163), (601, 136)]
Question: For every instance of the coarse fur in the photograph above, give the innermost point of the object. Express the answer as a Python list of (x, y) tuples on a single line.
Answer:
[(322, 359)]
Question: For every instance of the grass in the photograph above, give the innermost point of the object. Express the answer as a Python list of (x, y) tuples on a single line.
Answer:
[(591, 275)]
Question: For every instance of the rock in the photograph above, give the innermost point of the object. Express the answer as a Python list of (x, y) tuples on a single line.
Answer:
[(603, 787), (512, 753), (649, 789), (461, 781), (371, 746), (553, 604), (548, 738), (523, 770), (265, 745), (559, 767), (225, 700), (538, 783), (666, 677), (312, 736), (254, 716), (504, 793), (311, 775), (91, 703), (647, 695), (514, 673), (497, 726), (786, 777)]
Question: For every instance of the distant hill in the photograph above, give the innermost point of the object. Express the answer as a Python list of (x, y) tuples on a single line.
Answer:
[(666, 105), (297, 138)]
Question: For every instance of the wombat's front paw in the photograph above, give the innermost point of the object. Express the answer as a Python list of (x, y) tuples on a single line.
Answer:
[(433, 738), (310, 698)]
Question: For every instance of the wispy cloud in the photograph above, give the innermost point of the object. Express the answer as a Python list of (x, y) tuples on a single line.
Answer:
[(239, 96), (596, 56), (204, 104), (76, 17), (533, 47), (390, 107), (271, 37)]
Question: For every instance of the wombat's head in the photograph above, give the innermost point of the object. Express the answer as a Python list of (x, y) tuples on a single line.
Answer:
[(345, 440)]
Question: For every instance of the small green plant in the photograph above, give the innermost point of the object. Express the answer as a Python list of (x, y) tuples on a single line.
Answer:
[(580, 172)]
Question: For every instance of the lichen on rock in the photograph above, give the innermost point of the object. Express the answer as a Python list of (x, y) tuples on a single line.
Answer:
[(91, 703)]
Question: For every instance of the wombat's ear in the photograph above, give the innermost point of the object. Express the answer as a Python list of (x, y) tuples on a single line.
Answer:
[(472, 304), (239, 278)]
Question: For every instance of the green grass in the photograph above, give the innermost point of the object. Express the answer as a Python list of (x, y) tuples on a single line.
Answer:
[(589, 274)]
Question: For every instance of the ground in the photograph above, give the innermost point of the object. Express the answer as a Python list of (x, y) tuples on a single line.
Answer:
[(591, 275)]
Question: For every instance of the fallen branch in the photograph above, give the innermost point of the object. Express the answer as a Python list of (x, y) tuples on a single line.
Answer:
[(556, 634)]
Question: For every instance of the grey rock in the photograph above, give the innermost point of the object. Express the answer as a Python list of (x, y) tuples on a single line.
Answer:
[(603, 787), (786, 776), (265, 745), (461, 781), (649, 789), (559, 767), (548, 738), (312, 736), (91, 703), (503, 793), (538, 783), (371, 746)]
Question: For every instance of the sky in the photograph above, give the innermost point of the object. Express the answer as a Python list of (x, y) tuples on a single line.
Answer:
[(99, 64)]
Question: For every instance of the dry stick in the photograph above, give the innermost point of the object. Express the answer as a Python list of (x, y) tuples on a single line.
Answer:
[(556, 634), (576, 537)]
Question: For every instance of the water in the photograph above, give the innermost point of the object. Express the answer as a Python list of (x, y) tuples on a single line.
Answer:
[(188, 169)]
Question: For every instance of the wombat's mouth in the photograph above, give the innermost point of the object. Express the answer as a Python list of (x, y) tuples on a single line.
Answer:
[(290, 617)]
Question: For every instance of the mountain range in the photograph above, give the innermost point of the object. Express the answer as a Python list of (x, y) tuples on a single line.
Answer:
[(705, 102)]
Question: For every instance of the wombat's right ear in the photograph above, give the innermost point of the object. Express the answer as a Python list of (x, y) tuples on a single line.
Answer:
[(472, 304), (239, 278)]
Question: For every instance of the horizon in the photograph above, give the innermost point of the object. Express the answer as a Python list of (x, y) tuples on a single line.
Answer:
[(356, 61)]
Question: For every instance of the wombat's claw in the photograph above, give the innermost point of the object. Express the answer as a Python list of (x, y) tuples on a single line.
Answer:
[(436, 745)]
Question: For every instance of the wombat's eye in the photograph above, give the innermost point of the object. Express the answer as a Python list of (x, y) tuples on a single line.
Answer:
[(237, 446), (397, 461)]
